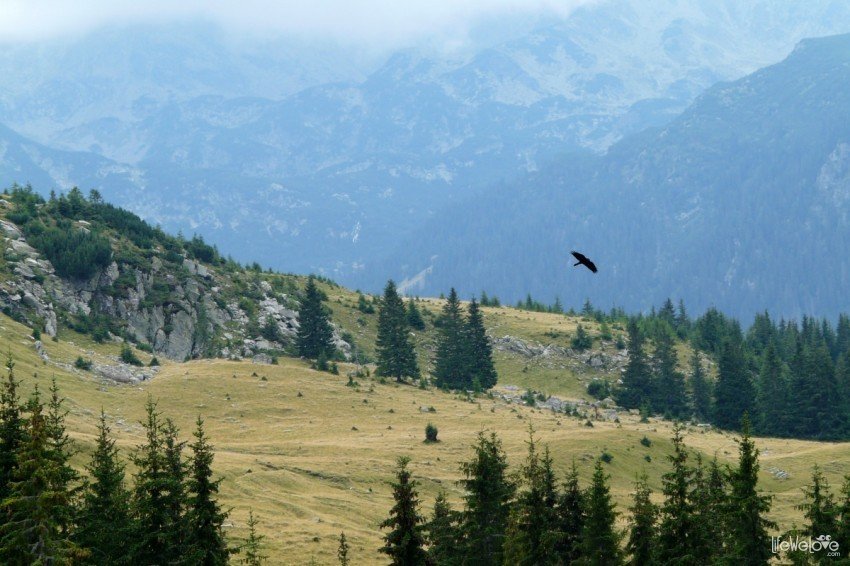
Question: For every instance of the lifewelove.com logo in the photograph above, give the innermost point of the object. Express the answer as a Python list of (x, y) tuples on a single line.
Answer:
[(823, 543)]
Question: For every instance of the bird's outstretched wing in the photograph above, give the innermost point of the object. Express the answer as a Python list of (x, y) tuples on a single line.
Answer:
[(582, 259)]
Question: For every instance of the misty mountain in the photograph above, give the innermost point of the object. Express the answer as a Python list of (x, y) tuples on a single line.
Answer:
[(743, 202), (315, 158)]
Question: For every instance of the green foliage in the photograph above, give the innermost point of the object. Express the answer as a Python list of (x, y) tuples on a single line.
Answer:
[(431, 433), (443, 533), (314, 331), (481, 372), (600, 541), (642, 526), (582, 340), (405, 541), (599, 388), (74, 253), (83, 363), (395, 352), (342, 550), (252, 548), (636, 389), (414, 317), (128, 356)]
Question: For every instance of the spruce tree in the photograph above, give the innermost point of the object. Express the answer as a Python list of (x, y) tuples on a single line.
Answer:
[(734, 394), (32, 532), (205, 540), (342, 551), (104, 527), (701, 389), (711, 506), (772, 395), (443, 533), (11, 426), (670, 397), (450, 363), (749, 542), (842, 535), (530, 537), (489, 493), (253, 544), (600, 542), (677, 530), (156, 497), (819, 506), (570, 513), (479, 354), (396, 356), (315, 335), (404, 543), (816, 406), (636, 390), (642, 527), (414, 317), (61, 450)]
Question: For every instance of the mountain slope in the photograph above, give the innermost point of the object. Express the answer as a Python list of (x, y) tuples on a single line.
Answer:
[(742, 202)]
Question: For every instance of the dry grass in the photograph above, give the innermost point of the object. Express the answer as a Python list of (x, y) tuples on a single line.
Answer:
[(315, 464)]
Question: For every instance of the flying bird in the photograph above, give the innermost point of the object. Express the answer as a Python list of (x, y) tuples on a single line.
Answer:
[(582, 260)]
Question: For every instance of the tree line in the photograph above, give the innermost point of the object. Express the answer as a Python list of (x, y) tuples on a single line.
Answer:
[(52, 514), (710, 514)]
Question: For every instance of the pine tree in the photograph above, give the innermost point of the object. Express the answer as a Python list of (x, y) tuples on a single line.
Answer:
[(61, 450), (734, 393), (701, 389), (582, 340), (670, 397), (104, 527), (443, 533), (31, 532), (158, 494), (404, 543), (489, 493), (819, 506), (636, 390), (414, 317), (315, 334), (11, 427), (252, 546), (710, 504), (642, 528), (479, 354), (530, 537), (748, 541), (842, 535), (677, 530), (342, 551), (570, 513), (772, 395), (205, 540), (396, 356), (816, 406), (600, 543), (450, 363)]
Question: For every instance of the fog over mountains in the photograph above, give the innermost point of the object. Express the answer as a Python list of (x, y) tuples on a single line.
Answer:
[(307, 155)]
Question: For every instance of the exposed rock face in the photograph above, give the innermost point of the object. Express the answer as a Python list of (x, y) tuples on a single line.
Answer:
[(181, 313), (552, 353)]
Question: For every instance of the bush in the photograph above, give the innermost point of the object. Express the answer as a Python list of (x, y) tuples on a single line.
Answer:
[(599, 388), (83, 363), (646, 442), (154, 362), (606, 457), (129, 357), (431, 433), (582, 340), (36, 333)]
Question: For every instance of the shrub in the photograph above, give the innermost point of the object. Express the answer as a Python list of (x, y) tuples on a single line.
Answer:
[(36, 333), (646, 442), (606, 457), (129, 357), (154, 362), (599, 388), (430, 433), (83, 363), (582, 340)]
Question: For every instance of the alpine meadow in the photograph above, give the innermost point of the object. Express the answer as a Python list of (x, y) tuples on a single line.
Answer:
[(441, 284)]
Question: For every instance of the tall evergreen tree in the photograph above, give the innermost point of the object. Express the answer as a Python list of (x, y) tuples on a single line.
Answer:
[(570, 514), (819, 506), (11, 426), (315, 335), (642, 527), (205, 540), (748, 542), (342, 551), (600, 542), (104, 527), (842, 535), (489, 493), (31, 532), (636, 390), (670, 396), (734, 394), (450, 363), (404, 543), (396, 356), (443, 533), (530, 537), (677, 530), (710, 504), (414, 317), (479, 354), (61, 450), (816, 404), (701, 389), (156, 498), (772, 395), (176, 498)]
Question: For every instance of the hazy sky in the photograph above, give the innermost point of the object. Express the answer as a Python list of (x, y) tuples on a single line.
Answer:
[(357, 20)]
